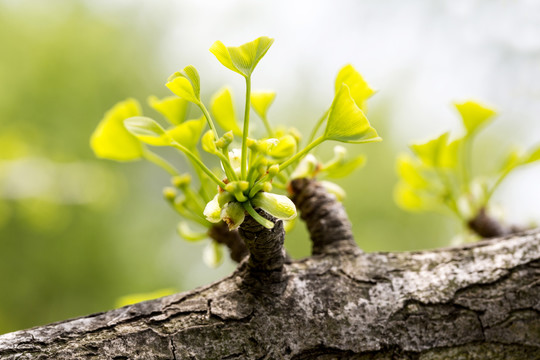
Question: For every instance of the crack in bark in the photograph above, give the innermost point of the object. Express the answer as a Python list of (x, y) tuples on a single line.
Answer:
[(173, 348)]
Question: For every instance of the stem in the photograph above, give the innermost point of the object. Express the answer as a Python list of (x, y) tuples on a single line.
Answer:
[(299, 155), (197, 161), (497, 183), (256, 216), (209, 119), (318, 125), (159, 161), (267, 126), (231, 175), (246, 128)]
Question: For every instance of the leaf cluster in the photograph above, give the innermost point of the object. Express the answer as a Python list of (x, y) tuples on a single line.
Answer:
[(251, 168), (438, 176)]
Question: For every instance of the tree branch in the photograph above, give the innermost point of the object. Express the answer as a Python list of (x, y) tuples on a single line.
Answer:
[(479, 301), (326, 219)]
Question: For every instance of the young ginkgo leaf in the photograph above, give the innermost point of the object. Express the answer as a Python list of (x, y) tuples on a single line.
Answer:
[(261, 101), (188, 133), (111, 140), (233, 214), (359, 88), (474, 115), (278, 206), (412, 172), (431, 152), (147, 131), (242, 59), (186, 84), (173, 108), (346, 122), (223, 110), (212, 254), (346, 167), (208, 142), (412, 199), (285, 148)]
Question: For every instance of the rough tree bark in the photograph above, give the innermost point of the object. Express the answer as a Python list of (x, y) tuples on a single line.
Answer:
[(478, 301)]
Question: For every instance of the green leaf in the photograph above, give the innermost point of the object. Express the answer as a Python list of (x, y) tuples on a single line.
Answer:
[(359, 88), (279, 206), (411, 171), (188, 234), (212, 254), (474, 115), (242, 59), (208, 142), (188, 133), (186, 84), (111, 140), (449, 156), (346, 122), (147, 131), (412, 199), (346, 167), (223, 110), (285, 148), (261, 101), (431, 152), (173, 108)]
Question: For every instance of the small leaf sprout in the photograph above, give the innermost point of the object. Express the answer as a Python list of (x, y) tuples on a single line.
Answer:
[(251, 171)]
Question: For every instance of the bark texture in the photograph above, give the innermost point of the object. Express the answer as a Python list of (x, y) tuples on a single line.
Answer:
[(231, 239), (479, 301), (326, 219)]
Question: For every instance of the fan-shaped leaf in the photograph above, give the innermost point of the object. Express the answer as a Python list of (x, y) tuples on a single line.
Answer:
[(345, 167), (186, 84), (208, 142), (147, 131), (223, 110), (261, 101), (188, 133), (173, 108), (474, 115), (346, 122), (359, 88), (242, 59), (111, 140), (431, 152)]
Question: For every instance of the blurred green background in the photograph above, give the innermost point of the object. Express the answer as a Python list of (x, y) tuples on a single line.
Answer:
[(77, 233)]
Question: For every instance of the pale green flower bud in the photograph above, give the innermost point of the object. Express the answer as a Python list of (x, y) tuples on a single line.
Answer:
[(279, 206)]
